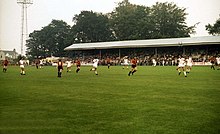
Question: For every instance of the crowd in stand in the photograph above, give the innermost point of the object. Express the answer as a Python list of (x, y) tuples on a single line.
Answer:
[(163, 56)]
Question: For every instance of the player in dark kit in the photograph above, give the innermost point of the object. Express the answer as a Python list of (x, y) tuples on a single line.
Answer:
[(60, 68), (212, 60), (108, 61), (37, 62), (5, 64), (78, 64), (133, 66)]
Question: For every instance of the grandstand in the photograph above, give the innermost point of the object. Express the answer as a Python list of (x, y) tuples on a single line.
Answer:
[(200, 48)]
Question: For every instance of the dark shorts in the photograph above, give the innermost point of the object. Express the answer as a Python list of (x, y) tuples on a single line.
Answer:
[(133, 66), (59, 68)]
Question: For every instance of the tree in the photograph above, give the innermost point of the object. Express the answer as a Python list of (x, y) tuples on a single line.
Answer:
[(91, 27), (169, 21), (214, 29), (130, 21), (50, 40), (162, 20)]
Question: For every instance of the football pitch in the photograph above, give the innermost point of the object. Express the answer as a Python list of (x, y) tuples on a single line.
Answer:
[(155, 100)]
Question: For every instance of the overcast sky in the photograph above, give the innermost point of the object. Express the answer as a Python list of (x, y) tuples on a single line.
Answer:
[(41, 13)]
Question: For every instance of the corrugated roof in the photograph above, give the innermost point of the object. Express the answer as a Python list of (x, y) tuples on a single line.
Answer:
[(205, 40)]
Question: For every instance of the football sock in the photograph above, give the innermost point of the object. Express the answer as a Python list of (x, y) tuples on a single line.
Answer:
[(77, 70), (129, 73), (133, 72), (59, 74), (184, 73)]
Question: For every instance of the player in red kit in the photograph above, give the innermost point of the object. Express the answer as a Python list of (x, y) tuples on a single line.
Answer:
[(5, 64), (60, 68), (78, 64), (108, 61), (212, 60), (133, 66)]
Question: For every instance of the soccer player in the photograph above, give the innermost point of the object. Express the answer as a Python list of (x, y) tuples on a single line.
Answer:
[(154, 62), (60, 67), (108, 61), (218, 62), (78, 64), (41, 63), (189, 62), (37, 62), (21, 64), (69, 65), (94, 66), (125, 59), (181, 66), (212, 60), (5, 64), (133, 66)]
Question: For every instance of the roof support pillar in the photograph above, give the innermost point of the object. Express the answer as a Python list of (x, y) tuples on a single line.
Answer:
[(100, 54), (119, 53), (155, 51), (184, 50)]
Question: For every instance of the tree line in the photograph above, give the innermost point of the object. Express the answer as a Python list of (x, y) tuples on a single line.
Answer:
[(126, 22)]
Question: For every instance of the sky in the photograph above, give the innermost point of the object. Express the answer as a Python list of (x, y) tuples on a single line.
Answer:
[(42, 12)]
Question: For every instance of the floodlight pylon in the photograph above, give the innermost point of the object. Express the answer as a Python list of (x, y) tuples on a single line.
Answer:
[(24, 26)]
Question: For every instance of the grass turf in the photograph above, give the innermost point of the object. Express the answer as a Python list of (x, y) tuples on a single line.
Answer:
[(153, 100)]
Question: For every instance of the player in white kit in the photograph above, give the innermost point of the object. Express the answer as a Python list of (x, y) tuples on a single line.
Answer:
[(189, 63), (68, 66), (154, 62), (125, 62), (94, 66), (218, 62), (21, 64), (181, 66)]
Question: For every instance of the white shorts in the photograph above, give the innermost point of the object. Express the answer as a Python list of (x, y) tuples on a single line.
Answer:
[(190, 64), (181, 65), (21, 66)]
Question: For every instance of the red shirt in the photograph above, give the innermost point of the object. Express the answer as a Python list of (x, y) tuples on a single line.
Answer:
[(5, 62), (60, 64), (78, 63), (108, 60), (134, 61)]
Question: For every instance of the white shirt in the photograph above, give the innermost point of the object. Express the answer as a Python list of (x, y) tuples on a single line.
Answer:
[(181, 62), (189, 61), (125, 61), (68, 63), (21, 62), (95, 63), (218, 60), (41, 61)]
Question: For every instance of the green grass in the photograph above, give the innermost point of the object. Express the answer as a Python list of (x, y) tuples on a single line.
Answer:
[(154, 100)]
